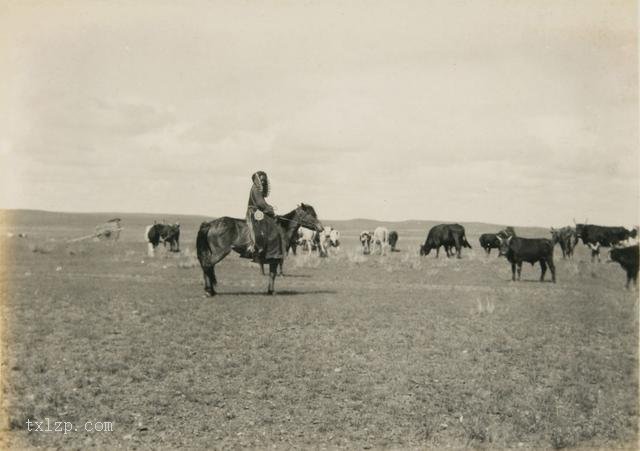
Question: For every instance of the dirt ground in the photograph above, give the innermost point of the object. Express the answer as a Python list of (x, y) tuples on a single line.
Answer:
[(353, 351)]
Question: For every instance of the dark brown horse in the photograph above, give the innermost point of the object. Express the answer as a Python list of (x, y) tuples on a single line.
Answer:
[(217, 238)]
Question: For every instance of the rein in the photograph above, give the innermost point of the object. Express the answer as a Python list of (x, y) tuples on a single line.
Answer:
[(307, 225)]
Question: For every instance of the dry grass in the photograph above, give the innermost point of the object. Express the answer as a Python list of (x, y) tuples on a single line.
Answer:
[(355, 351)]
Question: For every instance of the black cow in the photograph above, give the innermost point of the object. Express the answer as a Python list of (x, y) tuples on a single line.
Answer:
[(393, 240), (565, 237), (447, 235), (606, 236), (530, 250), (167, 233), (628, 259), (490, 241)]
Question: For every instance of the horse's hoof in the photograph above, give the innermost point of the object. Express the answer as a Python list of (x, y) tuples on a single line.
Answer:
[(209, 294), (270, 293)]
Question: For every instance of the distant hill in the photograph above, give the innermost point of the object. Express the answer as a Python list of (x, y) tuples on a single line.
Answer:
[(135, 222)]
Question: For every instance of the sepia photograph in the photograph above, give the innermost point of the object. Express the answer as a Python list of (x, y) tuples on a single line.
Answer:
[(319, 224)]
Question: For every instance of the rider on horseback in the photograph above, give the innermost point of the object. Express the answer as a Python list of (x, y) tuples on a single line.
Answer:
[(256, 209)]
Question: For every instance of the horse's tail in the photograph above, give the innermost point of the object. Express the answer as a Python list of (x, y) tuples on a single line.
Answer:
[(202, 244), (465, 243)]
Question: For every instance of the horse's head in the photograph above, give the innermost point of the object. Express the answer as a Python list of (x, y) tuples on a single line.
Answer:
[(306, 216)]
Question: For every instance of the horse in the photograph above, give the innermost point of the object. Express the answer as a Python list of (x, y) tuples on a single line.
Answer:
[(217, 238)]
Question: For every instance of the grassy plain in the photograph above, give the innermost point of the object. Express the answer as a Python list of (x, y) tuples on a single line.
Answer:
[(353, 351)]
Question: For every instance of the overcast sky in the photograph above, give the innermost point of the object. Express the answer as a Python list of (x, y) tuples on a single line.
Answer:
[(512, 112)]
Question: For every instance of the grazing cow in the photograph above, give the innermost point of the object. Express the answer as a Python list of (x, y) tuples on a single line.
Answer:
[(328, 238), (489, 241), (393, 240), (565, 237), (334, 238), (530, 250), (308, 239), (167, 233), (595, 251), (628, 259), (380, 239), (365, 241), (324, 241), (447, 235), (606, 236)]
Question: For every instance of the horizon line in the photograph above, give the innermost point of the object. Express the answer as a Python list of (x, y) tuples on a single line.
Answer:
[(214, 217)]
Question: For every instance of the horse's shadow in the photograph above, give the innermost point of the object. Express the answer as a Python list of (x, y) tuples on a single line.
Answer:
[(286, 276), (277, 293)]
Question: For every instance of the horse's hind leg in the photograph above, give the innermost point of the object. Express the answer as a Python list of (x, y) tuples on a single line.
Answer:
[(273, 269), (209, 274)]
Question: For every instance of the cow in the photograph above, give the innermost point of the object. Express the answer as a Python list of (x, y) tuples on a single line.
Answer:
[(308, 239), (328, 238), (334, 238), (531, 250), (447, 235), (606, 236), (380, 239), (507, 232), (627, 257), (595, 251), (393, 240), (489, 241), (365, 241), (167, 233), (565, 237)]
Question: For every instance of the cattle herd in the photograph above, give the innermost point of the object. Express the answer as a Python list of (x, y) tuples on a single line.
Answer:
[(517, 250)]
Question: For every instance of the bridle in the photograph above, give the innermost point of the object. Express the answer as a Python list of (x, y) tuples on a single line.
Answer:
[(301, 222)]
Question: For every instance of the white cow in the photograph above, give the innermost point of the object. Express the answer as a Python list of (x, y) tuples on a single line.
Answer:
[(380, 239), (307, 239), (328, 238), (334, 237)]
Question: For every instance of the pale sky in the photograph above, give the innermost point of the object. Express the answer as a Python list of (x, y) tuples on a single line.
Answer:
[(511, 112)]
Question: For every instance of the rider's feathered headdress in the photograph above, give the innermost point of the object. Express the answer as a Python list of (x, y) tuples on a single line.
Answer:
[(261, 181)]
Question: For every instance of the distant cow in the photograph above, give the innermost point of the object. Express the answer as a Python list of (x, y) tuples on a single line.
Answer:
[(566, 238), (530, 250), (165, 233), (380, 239), (595, 251), (328, 238), (447, 235), (393, 240), (308, 239), (365, 241), (331, 236), (606, 236), (628, 259), (489, 241), (334, 238), (506, 232)]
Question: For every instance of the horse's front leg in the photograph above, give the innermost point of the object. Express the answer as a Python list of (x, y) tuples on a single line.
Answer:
[(273, 270), (262, 268)]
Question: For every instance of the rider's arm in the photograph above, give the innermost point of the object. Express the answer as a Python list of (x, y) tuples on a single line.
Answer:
[(259, 202)]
